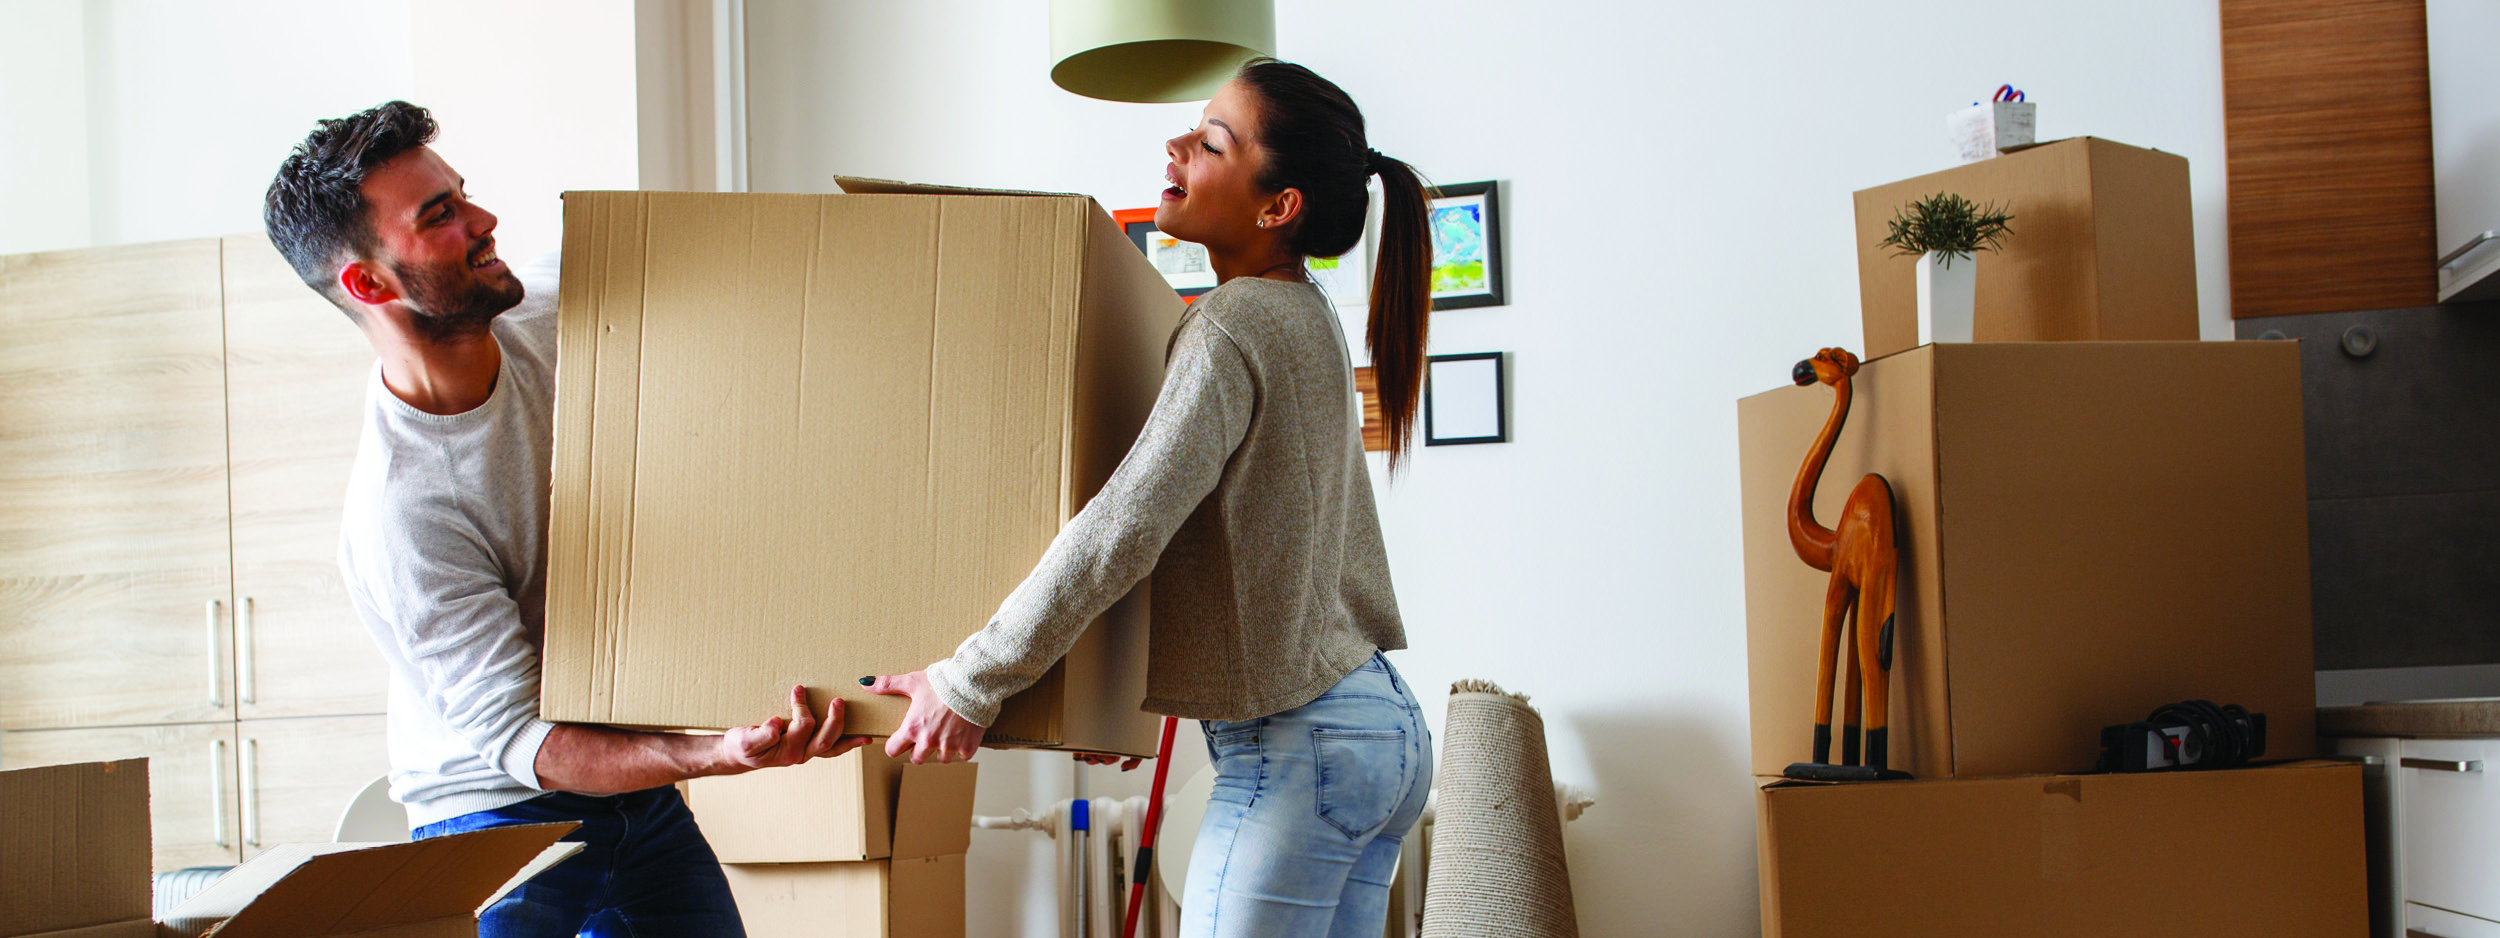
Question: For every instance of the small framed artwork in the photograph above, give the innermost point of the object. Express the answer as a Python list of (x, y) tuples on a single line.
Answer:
[(1347, 278), (1465, 400), (1184, 265), (1466, 225)]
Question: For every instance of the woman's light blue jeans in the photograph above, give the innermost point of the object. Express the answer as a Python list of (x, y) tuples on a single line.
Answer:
[(1310, 805)]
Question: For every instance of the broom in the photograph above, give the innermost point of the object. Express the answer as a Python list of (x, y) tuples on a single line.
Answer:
[(1154, 822)]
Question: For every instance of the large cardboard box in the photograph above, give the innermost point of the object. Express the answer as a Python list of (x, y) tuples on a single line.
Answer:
[(2087, 531), (2102, 247), (862, 805), (920, 897), (805, 438), (2265, 851), (74, 864), (74, 850)]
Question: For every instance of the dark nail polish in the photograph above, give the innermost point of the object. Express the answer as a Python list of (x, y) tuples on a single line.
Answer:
[(865, 681)]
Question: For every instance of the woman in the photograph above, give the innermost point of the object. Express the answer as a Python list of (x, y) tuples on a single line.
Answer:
[(1247, 495)]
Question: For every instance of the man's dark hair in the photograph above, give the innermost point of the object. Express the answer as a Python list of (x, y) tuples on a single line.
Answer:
[(315, 210)]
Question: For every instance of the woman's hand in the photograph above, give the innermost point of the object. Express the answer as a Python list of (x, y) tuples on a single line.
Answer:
[(1105, 758), (930, 731)]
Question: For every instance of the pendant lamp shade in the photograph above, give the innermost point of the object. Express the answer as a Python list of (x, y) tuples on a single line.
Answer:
[(1156, 51)]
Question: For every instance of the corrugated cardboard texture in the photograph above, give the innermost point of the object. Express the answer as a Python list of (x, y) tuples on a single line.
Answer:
[(297, 890), (2268, 851), (918, 898), (134, 928), (2103, 247), (823, 810), (73, 846), (933, 816), (2089, 530), (802, 439)]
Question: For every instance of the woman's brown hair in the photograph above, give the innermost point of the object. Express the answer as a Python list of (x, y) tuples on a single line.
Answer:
[(1313, 136)]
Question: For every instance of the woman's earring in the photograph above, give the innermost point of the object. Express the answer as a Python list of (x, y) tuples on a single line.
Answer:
[(1262, 223)]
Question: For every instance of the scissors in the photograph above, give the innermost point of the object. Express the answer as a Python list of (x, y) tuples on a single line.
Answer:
[(2007, 93)]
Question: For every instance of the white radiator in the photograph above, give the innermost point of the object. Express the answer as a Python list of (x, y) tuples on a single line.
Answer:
[(1093, 864)]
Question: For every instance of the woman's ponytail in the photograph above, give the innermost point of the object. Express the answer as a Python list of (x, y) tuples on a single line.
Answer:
[(1401, 313), (1313, 135)]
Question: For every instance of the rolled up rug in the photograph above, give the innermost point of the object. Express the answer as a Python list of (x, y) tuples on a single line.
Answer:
[(1497, 867)]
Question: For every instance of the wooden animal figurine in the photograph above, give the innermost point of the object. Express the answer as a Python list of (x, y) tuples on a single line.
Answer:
[(1860, 554)]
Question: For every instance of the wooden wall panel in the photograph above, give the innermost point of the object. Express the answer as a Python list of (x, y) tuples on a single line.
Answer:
[(2326, 116)]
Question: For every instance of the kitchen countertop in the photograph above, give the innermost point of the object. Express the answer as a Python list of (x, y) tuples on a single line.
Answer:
[(2471, 716)]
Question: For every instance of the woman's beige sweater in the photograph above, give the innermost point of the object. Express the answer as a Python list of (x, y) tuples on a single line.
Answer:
[(1248, 497)]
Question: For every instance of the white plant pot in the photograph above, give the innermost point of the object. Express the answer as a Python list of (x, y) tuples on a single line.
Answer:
[(1948, 298)]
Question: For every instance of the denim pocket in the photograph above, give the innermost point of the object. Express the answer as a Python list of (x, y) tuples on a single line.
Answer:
[(1362, 777)]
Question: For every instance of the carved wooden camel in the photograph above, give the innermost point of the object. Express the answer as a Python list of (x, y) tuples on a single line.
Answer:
[(1862, 559)]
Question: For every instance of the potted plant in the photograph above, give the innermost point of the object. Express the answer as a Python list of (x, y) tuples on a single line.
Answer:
[(1939, 230)]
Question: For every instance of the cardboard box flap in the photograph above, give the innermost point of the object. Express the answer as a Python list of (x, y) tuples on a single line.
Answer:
[(857, 185), (555, 853), (73, 846), (308, 890), (933, 814)]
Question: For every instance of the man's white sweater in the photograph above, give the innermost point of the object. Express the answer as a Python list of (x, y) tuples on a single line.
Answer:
[(443, 548)]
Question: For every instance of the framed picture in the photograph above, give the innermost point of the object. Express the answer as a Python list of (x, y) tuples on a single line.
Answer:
[(1184, 265), (1346, 279), (1465, 400), (1466, 225)]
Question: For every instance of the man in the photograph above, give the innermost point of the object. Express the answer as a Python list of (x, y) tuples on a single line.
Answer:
[(443, 546)]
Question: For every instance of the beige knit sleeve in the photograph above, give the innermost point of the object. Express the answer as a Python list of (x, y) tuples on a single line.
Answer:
[(1200, 417)]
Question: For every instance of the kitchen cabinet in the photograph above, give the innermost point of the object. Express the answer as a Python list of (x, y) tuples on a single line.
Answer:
[(177, 422), (2465, 145), (115, 568), (176, 425), (296, 372)]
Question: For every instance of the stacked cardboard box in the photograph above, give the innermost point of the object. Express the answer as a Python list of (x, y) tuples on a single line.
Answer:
[(74, 864), (859, 846), (2103, 248), (2087, 530), (837, 430)]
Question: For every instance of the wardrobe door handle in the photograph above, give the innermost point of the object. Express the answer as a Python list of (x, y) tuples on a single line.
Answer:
[(216, 673), (251, 792), (245, 684), (217, 790)]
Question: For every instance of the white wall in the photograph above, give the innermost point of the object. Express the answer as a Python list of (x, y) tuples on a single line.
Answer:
[(145, 120), (1677, 180)]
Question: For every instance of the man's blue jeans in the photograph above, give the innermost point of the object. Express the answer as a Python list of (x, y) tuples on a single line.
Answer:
[(644, 871), (1309, 808)]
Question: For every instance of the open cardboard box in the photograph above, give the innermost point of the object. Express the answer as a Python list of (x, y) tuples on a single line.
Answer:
[(2103, 247), (862, 805), (2272, 851), (74, 862), (806, 438), (2087, 531), (805, 818)]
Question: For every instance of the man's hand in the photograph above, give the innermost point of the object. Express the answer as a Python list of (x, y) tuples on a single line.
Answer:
[(778, 741), (930, 732)]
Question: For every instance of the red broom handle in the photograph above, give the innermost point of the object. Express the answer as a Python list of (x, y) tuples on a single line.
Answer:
[(1154, 823)]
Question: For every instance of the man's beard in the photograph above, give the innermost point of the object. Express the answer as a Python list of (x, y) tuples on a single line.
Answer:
[(450, 302)]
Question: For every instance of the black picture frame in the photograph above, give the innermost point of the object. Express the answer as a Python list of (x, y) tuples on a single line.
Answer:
[(1491, 193), (1501, 401), (1137, 232)]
